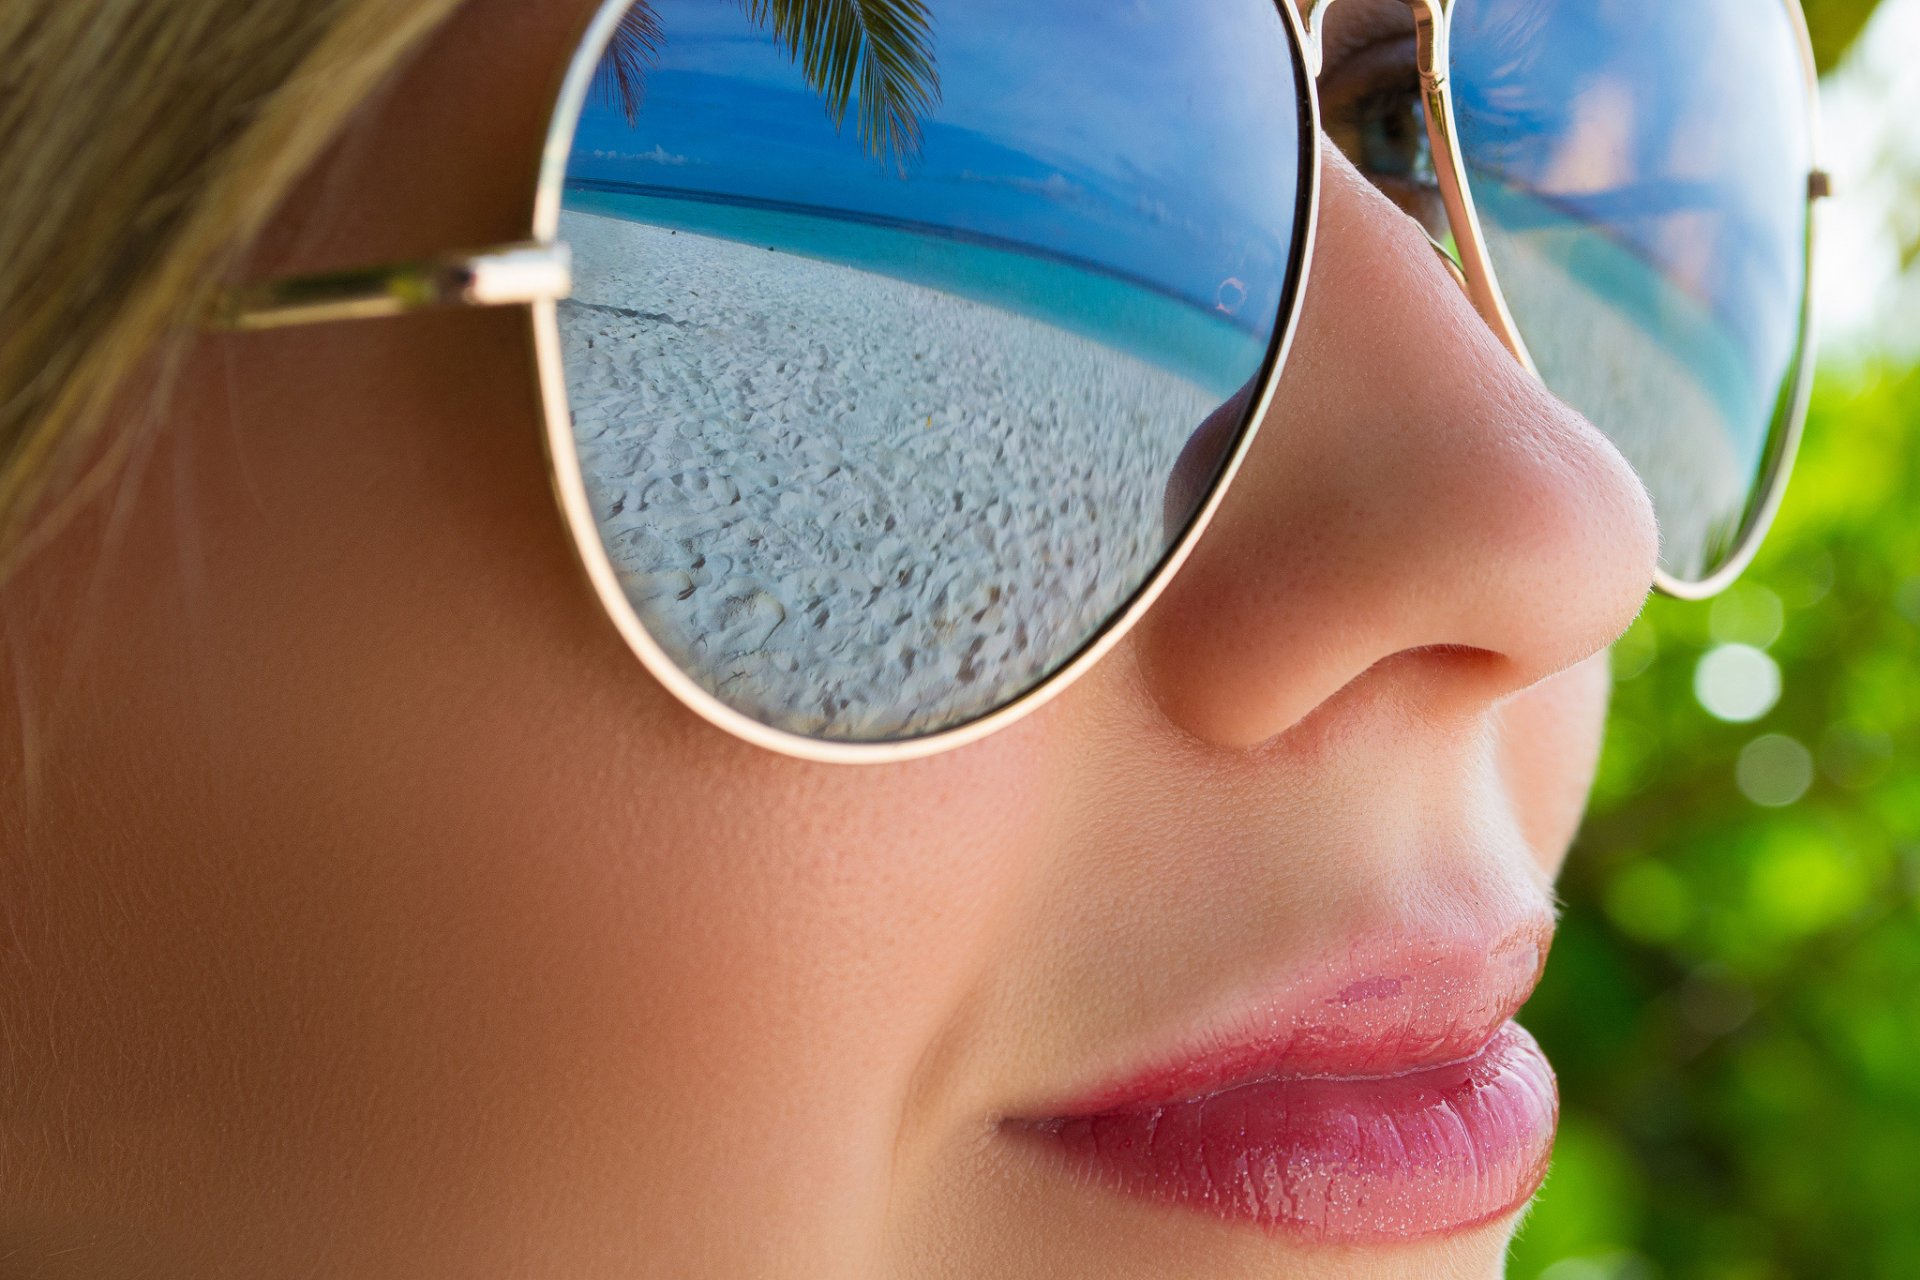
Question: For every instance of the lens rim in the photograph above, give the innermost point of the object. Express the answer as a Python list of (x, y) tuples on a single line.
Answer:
[(1433, 21), (570, 492)]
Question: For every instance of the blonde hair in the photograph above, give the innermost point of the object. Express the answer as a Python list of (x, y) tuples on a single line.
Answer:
[(143, 145)]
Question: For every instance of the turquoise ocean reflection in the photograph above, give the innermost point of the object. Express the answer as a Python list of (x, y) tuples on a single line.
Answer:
[(1179, 335)]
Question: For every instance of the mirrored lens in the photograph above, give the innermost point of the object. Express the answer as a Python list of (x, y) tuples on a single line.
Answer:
[(1641, 173), (903, 350)]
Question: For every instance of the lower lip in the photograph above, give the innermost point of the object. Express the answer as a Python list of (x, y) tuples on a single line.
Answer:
[(1339, 1160)]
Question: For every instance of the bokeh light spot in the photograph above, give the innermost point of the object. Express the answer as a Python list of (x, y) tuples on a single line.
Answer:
[(1649, 901), (1747, 614), (1713, 1004), (1628, 761), (1906, 599), (1620, 1264), (1774, 770), (1737, 683), (1855, 758), (1801, 883), (1635, 651)]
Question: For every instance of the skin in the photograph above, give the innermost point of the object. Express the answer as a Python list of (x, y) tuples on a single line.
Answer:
[(369, 911)]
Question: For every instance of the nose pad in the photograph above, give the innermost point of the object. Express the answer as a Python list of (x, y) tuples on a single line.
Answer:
[(1453, 267)]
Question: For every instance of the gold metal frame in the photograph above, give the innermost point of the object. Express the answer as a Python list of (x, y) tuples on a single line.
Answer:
[(1433, 28), (571, 489), (535, 273), (504, 276)]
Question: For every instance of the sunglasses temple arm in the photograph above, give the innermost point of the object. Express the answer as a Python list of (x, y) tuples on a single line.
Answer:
[(502, 276)]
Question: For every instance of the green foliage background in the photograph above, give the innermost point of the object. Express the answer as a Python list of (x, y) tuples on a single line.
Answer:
[(1733, 1002), (1835, 25)]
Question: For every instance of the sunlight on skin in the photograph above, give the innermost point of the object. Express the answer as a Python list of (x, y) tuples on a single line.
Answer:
[(384, 914)]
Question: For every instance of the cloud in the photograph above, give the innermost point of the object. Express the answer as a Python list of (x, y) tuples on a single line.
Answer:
[(1155, 211), (659, 155), (1055, 186)]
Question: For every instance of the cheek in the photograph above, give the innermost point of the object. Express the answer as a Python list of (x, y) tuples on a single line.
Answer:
[(727, 969), (1550, 737), (384, 854)]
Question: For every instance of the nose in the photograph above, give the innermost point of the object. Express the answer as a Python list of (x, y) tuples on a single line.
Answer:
[(1413, 494)]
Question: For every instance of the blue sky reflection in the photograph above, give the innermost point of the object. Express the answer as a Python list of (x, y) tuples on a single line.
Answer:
[(1153, 139)]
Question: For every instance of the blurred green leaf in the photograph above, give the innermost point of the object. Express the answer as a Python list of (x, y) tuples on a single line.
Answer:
[(1834, 26), (1734, 1002)]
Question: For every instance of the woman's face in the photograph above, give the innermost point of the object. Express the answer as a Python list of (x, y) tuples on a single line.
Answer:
[(369, 911)]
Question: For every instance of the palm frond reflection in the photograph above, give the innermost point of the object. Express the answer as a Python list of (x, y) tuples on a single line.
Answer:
[(873, 57)]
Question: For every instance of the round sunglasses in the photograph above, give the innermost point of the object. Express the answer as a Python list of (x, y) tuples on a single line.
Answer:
[(874, 433)]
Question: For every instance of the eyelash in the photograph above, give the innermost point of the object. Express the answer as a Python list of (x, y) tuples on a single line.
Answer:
[(1374, 86)]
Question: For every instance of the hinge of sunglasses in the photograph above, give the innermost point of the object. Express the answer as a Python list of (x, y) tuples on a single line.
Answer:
[(1819, 185), (497, 277)]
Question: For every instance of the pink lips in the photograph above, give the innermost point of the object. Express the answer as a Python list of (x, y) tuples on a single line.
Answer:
[(1360, 1109)]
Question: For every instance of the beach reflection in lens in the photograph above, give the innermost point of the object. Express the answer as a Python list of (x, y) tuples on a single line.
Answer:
[(1641, 176), (881, 425)]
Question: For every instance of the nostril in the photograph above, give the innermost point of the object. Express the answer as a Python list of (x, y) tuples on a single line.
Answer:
[(1445, 681), (1461, 657), (1438, 685)]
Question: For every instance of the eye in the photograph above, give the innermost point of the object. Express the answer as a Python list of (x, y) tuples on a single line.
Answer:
[(1390, 136), (1372, 109)]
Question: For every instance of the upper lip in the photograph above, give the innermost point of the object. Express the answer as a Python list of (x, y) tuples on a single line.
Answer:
[(1389, 1005)]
